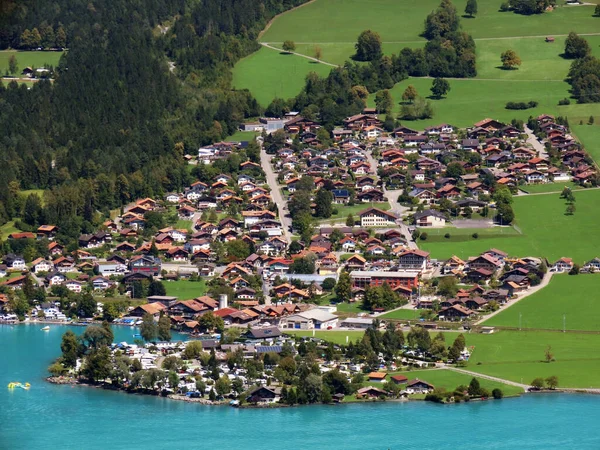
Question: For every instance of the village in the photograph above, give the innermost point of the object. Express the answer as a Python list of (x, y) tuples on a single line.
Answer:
[(300, 231)]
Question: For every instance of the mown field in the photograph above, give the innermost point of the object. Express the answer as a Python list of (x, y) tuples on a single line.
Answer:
[(343, 20), (334, 25), (268, 74), (409, 314), (566, 296), (546, 231), (549, 187), (28, 59), (520, 356), (589, 135), (449, 380), (185, 290)]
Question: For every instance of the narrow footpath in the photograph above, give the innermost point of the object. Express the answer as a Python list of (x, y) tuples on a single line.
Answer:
[(488, 377)]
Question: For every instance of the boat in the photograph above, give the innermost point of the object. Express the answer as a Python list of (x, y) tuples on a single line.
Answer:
[(46, 328), (16, 384)]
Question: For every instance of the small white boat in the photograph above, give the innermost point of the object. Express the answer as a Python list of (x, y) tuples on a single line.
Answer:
[(46, 328)]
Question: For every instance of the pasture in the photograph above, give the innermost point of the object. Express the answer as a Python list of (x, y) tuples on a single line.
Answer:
[(450, 380), (546, 231), (566, 297), (589, 135), (520, 356), (28, 59)]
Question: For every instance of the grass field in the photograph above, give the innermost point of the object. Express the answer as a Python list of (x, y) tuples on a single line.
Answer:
[(343, 20), (28, 59), (590, 135), (519, 356), (566, 296), (268, 74), (449, 380), (345, 307), (335, 24), (241, 136), (337, 337), (549, 187), (8, 228), (184, 225), (185, 290), (409, 314), (547, 231)]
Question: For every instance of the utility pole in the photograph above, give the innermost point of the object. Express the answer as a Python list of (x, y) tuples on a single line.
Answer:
[(520, 314), (564, 323)]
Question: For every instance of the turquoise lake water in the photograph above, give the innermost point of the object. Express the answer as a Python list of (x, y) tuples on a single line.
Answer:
[(64, 417)]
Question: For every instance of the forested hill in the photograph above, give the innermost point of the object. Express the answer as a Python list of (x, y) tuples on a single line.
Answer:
[(115, 122)]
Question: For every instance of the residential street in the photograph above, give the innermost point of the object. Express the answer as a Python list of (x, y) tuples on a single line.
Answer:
[(399, 210), (537, 145), (286, 221)]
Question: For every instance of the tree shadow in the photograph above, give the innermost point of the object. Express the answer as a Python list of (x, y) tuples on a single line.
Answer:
[(466, 16), (285, 53), (508, 69), (314, 62)]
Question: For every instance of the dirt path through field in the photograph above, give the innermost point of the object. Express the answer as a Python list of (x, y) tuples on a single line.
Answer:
[(285, 12)]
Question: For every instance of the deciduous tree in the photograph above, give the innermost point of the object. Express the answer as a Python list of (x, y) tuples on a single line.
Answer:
[(368, 46), (471, 8), (510, 60), (440, 87), (289, 46)]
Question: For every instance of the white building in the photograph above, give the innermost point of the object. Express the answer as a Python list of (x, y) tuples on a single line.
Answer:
[(311, 319)]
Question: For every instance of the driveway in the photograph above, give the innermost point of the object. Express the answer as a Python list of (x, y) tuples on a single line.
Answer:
[(286, 220)]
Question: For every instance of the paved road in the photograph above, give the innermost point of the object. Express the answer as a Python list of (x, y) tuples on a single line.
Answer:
[(399, 210), (286, 220), (372, 162), (537, 145), (487, 377), (530, 291)]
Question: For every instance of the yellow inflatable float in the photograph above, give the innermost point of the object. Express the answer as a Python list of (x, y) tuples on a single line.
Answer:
[(15, 384)]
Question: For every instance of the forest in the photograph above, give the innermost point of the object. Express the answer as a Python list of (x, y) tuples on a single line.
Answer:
[(143, 83)]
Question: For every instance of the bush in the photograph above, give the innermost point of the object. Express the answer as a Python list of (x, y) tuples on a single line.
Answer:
[(416, 234), (475, 235), (423, 236), (504, 7), (497, 394), (447, 235), (564, 101), (521, 105)]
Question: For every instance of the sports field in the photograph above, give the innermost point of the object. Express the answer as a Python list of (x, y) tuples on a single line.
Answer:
[(28, 59), (546, 231), (567, 301)]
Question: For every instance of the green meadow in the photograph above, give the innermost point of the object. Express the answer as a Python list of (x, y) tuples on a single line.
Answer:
[(589, 135), (520, 356), (450, 380), (407, 314), (550, 187), (569, 298), (28, 59), (268, 74), (342, 21), (185, 289), (546, 231)]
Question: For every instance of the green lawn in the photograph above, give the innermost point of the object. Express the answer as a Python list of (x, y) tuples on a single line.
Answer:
[(343, 20), (185, 290), (337, 337), (549, 187), (345, 307), (519, 356), (566, 296), (409, 314), (28, 59), (449, 380), (589, 135), (547, 231), (240, 136), (268, 74), (184, 225)]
